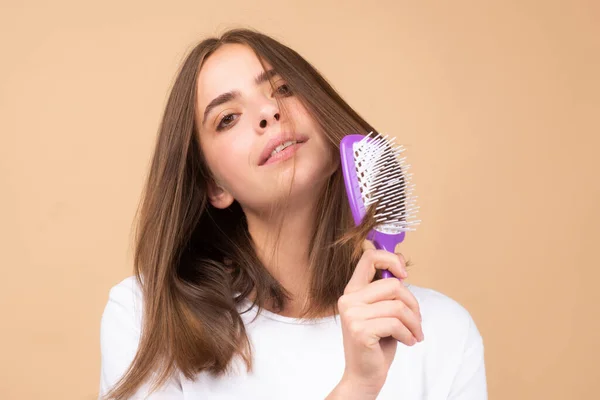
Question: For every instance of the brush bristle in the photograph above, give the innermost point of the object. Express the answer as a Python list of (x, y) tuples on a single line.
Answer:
[(385, 183)]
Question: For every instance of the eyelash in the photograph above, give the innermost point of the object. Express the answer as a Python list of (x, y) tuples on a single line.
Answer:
[(289, 91), (221, 127)]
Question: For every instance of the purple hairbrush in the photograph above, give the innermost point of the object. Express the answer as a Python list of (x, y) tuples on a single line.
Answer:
[(375, 175)]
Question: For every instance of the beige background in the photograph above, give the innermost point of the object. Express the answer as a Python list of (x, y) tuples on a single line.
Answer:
[(497, 101)]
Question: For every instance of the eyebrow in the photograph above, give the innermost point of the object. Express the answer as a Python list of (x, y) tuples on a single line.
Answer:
[(265, 76), (232, 95)]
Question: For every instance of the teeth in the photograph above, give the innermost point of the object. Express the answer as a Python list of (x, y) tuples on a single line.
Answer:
[(283, 146)]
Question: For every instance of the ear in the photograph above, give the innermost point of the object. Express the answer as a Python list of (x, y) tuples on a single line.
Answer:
[(218, 197)]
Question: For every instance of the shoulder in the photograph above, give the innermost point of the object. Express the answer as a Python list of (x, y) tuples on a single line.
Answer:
[(120, 330), (445, 317), (123, 309), (129, 288), (119, 340), (453, 345), (124, 300)]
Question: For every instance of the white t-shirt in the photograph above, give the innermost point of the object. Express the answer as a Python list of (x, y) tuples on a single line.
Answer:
[(305, 360)]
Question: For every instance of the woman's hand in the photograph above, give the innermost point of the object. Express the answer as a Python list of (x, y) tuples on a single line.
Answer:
[(375, 316)]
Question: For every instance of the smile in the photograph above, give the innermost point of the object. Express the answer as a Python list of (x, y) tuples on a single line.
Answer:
[(284, 152), (281, 146)]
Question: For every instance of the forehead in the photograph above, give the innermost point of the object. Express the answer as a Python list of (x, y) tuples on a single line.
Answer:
[(231, 67)]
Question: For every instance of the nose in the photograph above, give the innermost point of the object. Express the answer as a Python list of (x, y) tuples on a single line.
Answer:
[(269, 114), (263, 122)]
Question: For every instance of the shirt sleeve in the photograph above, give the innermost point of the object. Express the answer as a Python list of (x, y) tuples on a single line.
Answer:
[(470, 381), (119, 338)]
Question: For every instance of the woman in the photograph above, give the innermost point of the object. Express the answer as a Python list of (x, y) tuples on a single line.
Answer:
[(248, 283)]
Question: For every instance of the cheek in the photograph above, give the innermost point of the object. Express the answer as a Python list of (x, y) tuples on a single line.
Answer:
[(298, 113), (230, 161), (304, 121)]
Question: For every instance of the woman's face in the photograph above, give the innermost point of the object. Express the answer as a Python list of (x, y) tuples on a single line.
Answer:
[(240, 123)]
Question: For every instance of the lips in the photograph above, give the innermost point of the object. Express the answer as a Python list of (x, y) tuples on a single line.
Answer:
[(276, 141)]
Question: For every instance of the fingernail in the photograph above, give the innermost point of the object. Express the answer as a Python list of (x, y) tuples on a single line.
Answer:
[(403, 274)]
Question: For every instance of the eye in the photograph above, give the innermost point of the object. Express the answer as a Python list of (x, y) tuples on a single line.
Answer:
[(226, 121), (283, 90)]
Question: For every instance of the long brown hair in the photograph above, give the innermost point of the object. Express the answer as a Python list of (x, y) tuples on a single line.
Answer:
[(195, 263)]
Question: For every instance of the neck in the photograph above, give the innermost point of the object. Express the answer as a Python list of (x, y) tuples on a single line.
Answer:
[(282, 244)]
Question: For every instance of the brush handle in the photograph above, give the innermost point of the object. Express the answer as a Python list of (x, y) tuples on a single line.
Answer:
[(386, 274), (386, 242)]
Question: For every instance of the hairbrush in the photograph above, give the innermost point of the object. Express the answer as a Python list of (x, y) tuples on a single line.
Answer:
[(376, 176)]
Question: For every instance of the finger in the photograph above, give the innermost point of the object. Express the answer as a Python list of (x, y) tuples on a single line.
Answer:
[(386, 289), (388, 274), (369, 263), (393, 309), (401, 257), (403, 262), (384, 327), (368, 245)]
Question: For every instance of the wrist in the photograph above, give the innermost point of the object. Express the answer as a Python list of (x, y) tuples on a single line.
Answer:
[(351, 389)]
